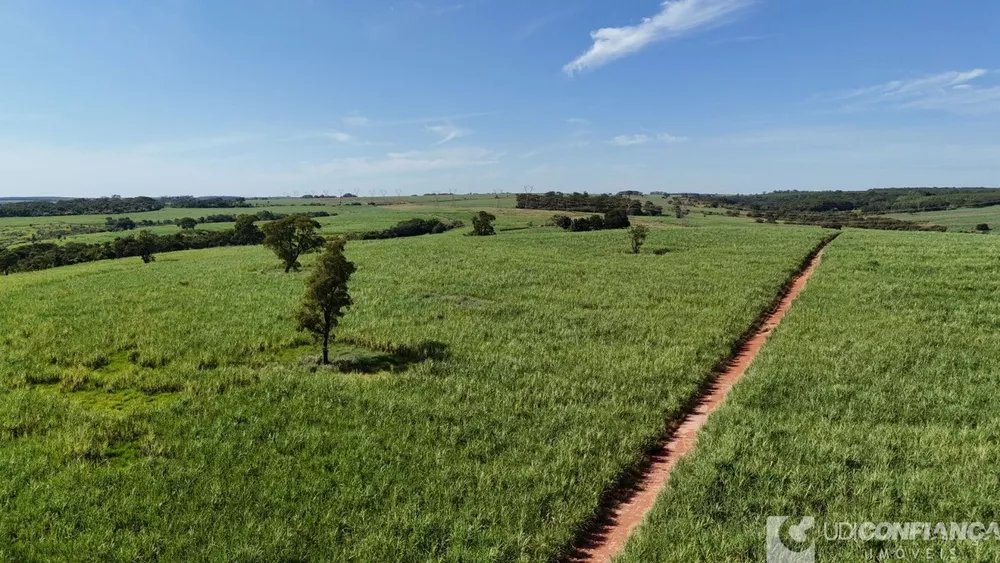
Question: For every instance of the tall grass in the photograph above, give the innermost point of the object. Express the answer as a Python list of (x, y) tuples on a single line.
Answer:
[(875, 400), (565, 355)]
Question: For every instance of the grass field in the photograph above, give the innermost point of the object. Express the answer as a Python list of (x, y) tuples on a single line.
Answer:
[(875, 400), (348, 219), (163, 411), (963, 219)]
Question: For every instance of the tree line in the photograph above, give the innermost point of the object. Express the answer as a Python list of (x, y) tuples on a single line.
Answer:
[(877, 201), (114, 205), (289, 237)]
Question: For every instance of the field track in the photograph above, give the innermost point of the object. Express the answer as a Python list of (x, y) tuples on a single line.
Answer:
[(608, 537)]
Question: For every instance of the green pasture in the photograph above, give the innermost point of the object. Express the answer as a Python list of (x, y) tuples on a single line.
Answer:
[(169, 411), (874, 401)]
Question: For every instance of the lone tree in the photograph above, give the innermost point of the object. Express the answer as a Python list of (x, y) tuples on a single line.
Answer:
[(292, 237), (482, 224), (326, 295), (145, 245), (246, 232), (637, 236), (983, 228), (187, 223)]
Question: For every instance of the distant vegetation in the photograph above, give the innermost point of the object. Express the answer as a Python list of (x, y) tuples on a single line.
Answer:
[(841, 219), (409, 228), (44, 255), (114, 205), (851, 209), (585, 203), (214, 202), (886, 200), (614, 219), (98, 206)]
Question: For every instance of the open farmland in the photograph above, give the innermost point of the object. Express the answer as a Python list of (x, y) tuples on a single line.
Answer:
[(163, 411), (874, 401), (963, 219)]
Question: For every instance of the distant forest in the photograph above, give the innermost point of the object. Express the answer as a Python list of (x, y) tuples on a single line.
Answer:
[(884, 200), (114, 205)]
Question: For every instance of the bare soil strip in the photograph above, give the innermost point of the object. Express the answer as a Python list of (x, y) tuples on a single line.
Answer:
[(608, 536)]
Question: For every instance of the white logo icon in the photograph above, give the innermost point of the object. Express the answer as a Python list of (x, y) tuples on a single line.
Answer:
[(778, 552)]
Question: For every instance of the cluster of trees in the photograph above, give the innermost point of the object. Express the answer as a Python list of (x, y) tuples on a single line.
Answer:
[(583, 203), (587, 203), (95, 206), (211, 202), (122, 224), (410, 228), (613, 219), (884, 200)]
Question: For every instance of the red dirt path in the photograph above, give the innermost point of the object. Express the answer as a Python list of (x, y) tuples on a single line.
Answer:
[(607, 542)]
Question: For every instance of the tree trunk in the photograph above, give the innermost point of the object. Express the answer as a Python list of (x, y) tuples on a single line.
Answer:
[(326, 348)]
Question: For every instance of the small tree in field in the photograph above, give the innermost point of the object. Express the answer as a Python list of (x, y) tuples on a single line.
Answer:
[(983, 228), (187, 223), (145, 245), (245, 232), (482, 224), (326, 295), (292, 237), (637, 236)]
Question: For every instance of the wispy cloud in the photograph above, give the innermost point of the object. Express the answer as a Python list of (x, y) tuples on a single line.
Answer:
[(200, 144), (406, 162), (953, 91), (355, 120), (338, 136), (642, 139), (540, 23), (741, 39), (447, 132), (677, 18), (444, 10), (27, 117), (578, 121)]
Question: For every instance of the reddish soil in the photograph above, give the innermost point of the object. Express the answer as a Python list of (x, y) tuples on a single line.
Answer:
[(614, 530)]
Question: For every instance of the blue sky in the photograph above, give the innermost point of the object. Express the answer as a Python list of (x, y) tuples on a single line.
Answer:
[(269, 97)]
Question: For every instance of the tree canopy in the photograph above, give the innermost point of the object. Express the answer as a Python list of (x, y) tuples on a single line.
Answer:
[(292, 237)]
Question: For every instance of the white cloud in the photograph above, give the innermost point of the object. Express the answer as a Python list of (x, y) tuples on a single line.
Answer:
[(642, 139), (677, 18), (578, 121), (447, 132), (948, 91)]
